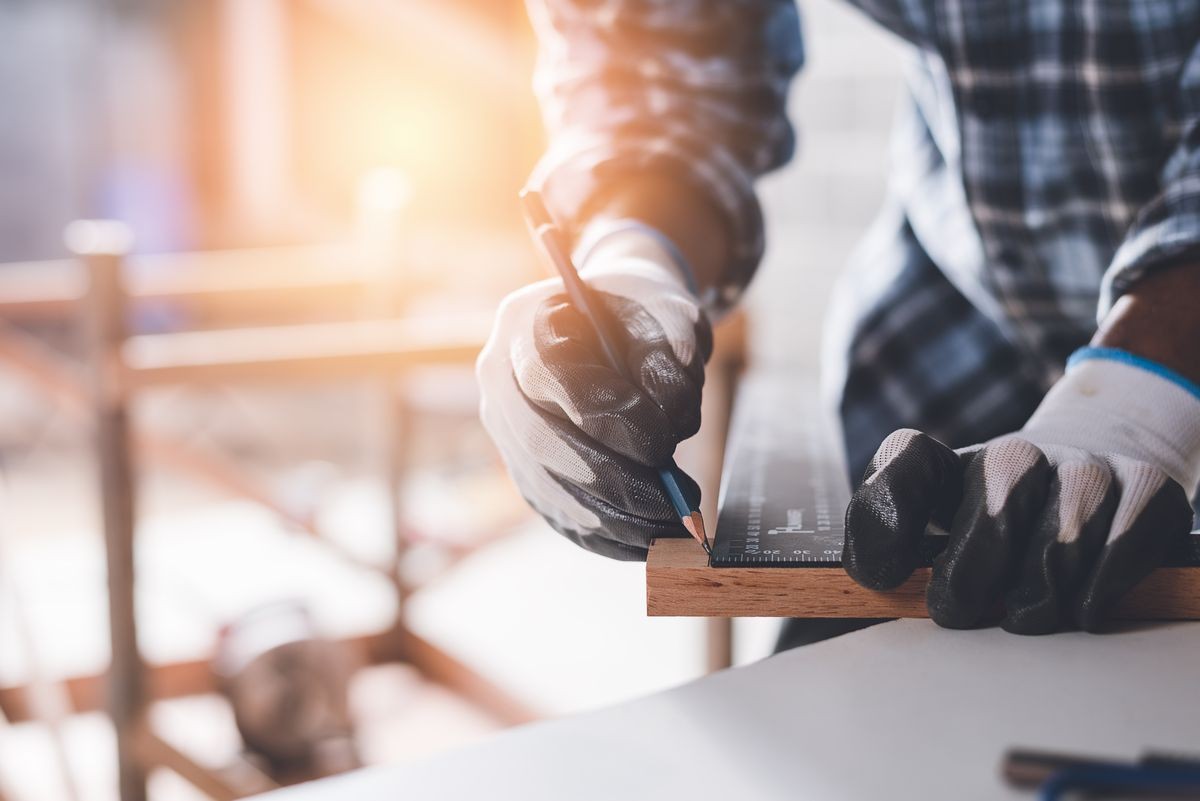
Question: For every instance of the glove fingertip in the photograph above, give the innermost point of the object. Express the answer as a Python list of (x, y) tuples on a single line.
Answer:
[(952, 610), (877, 554), (1132, 554), (950, 616), (1034, 621), (889, 512)]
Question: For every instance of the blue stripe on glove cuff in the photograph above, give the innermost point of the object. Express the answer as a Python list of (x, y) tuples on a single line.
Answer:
[(1133, 360)]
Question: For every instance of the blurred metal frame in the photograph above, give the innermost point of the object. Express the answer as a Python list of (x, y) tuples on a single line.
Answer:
[(94, 286), (121, 366)]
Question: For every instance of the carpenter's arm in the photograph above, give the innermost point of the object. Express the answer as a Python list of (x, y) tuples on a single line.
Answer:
[(665, 113)]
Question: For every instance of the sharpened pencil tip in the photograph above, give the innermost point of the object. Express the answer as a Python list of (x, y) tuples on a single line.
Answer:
[(694, 524)]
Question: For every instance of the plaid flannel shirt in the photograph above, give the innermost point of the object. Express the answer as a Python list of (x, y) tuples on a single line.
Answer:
[(1046, 156)]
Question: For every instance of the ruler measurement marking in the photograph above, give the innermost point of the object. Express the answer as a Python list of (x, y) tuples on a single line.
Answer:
[(784, 484)]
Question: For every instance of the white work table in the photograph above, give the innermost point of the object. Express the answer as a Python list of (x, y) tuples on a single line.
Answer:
[(902, 710)]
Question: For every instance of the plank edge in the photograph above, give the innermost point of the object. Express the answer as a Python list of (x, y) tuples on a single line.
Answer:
[(679, 583)]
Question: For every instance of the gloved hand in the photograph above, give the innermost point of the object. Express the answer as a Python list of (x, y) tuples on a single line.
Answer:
[(1056, 521), (580, 441)]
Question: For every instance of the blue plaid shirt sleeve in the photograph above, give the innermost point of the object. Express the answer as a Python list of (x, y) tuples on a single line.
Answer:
[(1166, 228), (694, 89)]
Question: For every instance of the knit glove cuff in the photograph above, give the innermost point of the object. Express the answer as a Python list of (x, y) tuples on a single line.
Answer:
[(1111, 401)]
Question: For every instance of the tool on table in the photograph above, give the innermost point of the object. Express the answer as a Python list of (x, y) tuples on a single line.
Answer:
[(551, 240), (1054, 774)]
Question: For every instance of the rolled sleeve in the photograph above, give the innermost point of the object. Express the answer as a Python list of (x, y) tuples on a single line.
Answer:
[(696, 89), (1167, 229)]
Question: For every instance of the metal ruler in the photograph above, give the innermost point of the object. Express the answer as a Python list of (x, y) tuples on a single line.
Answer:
[(784, 486)]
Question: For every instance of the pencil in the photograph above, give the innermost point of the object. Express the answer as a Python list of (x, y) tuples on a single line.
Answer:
[(550, 238)]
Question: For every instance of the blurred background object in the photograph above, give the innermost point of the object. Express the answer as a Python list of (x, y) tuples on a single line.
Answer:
[(317, 200), (288, 689)]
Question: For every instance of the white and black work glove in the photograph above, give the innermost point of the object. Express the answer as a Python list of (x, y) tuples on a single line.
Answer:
[(580, 441), (1050, 526)]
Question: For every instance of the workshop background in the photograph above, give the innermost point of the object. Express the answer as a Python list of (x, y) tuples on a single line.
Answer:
[(317, 199)]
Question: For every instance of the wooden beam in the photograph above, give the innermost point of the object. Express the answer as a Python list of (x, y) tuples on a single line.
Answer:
[(318, 351), (41, 288), (45, 368), (102, 245), (679, 583), (174, 679), (218, 283), (437, 665), (86, 693), (50, 373), (225, 783)]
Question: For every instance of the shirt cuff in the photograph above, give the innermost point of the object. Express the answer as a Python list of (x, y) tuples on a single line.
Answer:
[(1166, 231), (570, 178)]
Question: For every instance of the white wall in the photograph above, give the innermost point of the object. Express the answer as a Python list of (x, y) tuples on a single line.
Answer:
[(819, 205)]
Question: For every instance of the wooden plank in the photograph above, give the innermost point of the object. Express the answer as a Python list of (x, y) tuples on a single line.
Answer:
[(177, 679), (317, 351), (284, 279), (41, 288), (679, 583)]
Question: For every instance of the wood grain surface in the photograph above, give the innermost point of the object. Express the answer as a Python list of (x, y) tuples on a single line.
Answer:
[(679, 583)]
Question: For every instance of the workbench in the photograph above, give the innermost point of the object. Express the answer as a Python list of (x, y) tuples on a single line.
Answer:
[(903, 710)]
